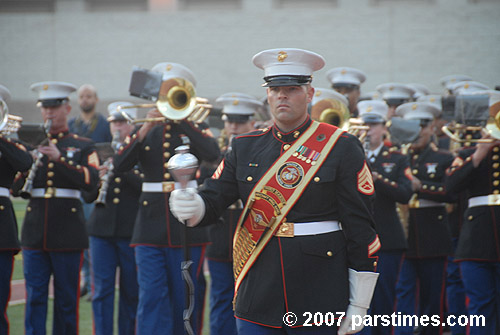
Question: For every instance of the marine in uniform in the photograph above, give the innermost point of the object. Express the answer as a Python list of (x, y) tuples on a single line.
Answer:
[(53, 234), (110, 227), (392, 180), (13, 158), (238, 110), (157, 233), (395, 94), (477, 171), (306, 231), (429, 241), (347, 81)]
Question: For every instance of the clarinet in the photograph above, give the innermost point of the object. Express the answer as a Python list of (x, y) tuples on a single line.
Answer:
[(103, 190), (28, 184)]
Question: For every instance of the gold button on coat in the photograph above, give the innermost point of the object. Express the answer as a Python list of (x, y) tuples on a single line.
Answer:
[(329, 253), (73, 210), (118, 180), (144, 203), (116, 200), (249, 178), (316, 179)]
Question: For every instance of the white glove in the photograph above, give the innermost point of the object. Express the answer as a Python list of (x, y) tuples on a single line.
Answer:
[(361, 287), (187, 206)]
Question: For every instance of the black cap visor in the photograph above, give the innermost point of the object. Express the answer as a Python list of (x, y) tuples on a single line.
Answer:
[(51, 102), (236, 118), (274, 81), (395, 101), (372, 119)]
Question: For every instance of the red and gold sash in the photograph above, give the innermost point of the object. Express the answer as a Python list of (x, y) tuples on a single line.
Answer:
[(276, 193)]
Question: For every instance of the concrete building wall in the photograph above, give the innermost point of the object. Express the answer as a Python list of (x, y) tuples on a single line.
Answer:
[(408, 41)]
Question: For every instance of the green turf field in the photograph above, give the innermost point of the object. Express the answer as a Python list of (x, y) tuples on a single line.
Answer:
[(16, 312)]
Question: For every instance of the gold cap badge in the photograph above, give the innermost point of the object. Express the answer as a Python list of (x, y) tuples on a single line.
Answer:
[(282, 55)]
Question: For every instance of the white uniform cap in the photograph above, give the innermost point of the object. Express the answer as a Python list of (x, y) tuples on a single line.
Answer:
[(420, 90), (117, 115), (395, 91), (449, 81), (325, 93), (238, 106), (4, 93), (52, 93), (288, 66), (468, 87), (373, 111), (434, 99), (174, 70), (342, 76), (418, 111)]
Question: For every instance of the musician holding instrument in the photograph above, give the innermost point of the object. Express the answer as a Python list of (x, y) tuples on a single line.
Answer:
[(476, 170), (429, 240), (238, 111), (157, 233), (53, 234), (306, 232), (110, 227), (13, 158), (392, 179)]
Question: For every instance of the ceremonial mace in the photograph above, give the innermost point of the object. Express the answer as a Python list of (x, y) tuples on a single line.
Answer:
[(183, 166)]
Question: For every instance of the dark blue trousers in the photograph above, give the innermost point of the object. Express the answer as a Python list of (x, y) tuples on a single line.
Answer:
[(384, 297), (250, 328), (455, 293), (420, 291), (108, 254), (222, 321), (162, 290), (6, 266), (482, 286), (65, 267)]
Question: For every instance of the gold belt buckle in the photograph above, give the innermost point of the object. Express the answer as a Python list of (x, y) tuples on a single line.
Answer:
[(167, 186), (494, 199), (285, 230), (49, 192)]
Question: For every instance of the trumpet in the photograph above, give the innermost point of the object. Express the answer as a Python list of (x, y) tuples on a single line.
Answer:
[(103, 190), (492, 128), (357, 127), (475, 108), (28, 184), (176, 101), (8, 123)]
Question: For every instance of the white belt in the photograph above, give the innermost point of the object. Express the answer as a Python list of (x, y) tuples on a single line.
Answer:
[(485, 200), (4, 192), (422, 203), (290, 229), (165, 186), (55, 193)]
